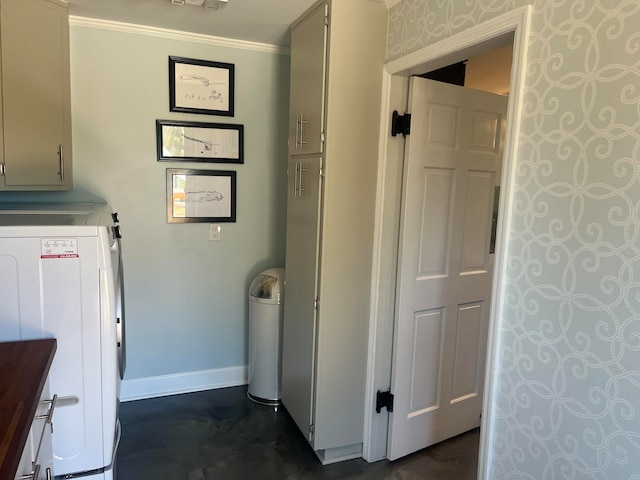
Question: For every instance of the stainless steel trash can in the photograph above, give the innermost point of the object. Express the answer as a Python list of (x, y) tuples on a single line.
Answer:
[(266, 312)]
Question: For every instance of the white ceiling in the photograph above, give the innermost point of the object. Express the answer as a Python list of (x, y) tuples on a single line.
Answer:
[(261, 21)]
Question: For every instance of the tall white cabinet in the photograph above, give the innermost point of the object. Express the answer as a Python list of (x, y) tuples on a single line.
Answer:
[(337, 56)]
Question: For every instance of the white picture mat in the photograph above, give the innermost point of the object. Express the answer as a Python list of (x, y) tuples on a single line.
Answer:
[(204, 196), (201, 87), (197, 142)]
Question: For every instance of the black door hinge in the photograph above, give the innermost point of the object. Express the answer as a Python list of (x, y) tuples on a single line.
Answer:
[(384, 399), (400, 124)]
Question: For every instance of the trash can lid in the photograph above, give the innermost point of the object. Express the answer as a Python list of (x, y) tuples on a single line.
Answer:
[(269, 285)]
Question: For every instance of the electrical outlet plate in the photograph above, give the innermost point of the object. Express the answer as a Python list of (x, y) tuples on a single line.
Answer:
[(214, 231)]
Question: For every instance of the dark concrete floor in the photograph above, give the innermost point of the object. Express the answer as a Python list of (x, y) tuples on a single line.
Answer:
[(222, 435)]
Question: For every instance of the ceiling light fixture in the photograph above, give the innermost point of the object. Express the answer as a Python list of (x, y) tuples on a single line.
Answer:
[(208, 4)]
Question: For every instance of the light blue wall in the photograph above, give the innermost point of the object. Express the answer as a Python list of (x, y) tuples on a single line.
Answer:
[(568, 379), (186, 296)]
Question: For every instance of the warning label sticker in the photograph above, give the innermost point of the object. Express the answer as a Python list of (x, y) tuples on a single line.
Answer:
[(59, 248)]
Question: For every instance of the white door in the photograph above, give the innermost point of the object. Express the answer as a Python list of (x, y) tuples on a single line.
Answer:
[(452, 166)]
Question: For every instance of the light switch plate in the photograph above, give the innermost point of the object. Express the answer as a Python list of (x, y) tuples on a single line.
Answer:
[(214, 231)]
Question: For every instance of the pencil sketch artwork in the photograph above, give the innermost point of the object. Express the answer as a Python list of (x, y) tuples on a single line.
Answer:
[(201, 196), (181, 141), (206, 145), (213, 94), (201, 87)]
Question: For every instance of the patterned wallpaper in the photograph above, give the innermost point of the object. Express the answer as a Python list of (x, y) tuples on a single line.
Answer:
[(569, 359), (414, 24)]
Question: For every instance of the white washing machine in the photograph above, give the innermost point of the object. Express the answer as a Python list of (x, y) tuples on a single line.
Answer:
[(61, 277)]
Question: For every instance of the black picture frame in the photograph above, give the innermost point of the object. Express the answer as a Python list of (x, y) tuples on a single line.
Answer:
[(207, 196), (199, 142), (201, 86)]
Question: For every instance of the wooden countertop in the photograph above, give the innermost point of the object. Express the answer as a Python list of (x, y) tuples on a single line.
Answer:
[(24, 367)]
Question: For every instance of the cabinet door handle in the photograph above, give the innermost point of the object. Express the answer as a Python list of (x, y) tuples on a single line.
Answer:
[(53, 402), (300, 189), (52, 406), (49, 474), (61, 155), (297, 130), (302, 122), (49, 415), (295, 179)]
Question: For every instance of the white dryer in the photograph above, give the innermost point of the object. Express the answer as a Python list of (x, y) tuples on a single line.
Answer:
[(61, 277)]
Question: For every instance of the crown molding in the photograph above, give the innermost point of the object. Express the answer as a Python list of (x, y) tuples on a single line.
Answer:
[(175, 35)]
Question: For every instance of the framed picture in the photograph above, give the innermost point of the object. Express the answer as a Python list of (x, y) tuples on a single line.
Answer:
[(201, 86), (200, 196), (199, 142)]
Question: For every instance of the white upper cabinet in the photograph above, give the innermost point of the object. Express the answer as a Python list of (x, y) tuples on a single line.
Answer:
[(35, 140), (308, 62)]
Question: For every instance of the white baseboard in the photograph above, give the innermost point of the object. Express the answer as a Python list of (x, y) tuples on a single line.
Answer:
[(161, 386)]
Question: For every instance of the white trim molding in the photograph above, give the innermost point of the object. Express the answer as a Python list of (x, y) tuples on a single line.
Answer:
[(395, 94), (164, 385), (134, 29), (521, 24)]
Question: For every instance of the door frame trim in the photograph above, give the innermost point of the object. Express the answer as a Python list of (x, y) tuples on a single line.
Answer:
[(512, 26)]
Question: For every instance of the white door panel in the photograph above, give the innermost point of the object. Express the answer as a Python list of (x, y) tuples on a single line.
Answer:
[(467, 380), (439, 187), (427, 350), (452, 166)]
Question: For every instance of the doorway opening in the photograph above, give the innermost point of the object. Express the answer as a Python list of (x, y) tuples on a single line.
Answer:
[(489, 71), (512, 27), (451, 177)]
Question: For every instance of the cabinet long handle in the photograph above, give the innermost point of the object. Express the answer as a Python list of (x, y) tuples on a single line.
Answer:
[(48, 420), (297, 130), (300, 189), (53, 402), (302, 122), (61, 155), (295, 176)]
